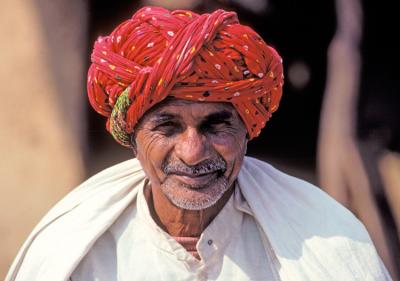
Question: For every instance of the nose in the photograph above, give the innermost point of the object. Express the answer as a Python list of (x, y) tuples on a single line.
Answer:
[(192, 147)]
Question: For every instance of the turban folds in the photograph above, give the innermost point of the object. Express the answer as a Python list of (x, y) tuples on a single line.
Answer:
[(159, 53)]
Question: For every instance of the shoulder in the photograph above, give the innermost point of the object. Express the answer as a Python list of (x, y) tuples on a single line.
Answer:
[(294, 197), (75, 223), (107, 180), (305, 225)]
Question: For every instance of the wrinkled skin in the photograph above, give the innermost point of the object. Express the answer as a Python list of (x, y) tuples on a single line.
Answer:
[(192, 153)]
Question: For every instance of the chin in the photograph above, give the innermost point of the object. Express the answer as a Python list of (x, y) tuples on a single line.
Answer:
[(195, 197)]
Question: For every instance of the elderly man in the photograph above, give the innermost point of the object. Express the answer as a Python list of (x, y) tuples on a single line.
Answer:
[(186, 92)]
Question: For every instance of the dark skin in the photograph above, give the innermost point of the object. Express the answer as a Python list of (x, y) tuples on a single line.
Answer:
[(192, 153), (181, 222)]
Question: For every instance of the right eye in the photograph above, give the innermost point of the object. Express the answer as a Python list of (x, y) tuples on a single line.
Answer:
[(168, 128)]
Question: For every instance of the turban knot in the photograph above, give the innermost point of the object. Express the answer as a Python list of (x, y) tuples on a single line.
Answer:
[(159, 53)]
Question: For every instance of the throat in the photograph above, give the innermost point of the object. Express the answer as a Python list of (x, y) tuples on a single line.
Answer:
[(189, 243)]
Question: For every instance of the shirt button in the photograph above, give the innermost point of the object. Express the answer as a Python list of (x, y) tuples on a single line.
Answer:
[(209, 242)]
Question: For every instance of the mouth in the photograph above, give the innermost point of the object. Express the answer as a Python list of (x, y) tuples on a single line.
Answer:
[(197, 181)]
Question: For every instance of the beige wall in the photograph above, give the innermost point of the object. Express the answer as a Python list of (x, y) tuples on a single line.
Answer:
[(41, 114)]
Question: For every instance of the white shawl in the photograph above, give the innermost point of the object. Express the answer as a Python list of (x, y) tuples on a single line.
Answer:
[(310, 235)]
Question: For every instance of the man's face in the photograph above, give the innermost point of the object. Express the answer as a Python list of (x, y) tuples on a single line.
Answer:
[(191, 151)]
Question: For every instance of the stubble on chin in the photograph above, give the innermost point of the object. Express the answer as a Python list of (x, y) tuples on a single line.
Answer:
[(189, 197)]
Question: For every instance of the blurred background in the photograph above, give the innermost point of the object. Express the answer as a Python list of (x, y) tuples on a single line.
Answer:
[(338, 124)]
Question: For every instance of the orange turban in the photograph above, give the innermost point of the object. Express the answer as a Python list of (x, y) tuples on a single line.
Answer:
[(159, 53)]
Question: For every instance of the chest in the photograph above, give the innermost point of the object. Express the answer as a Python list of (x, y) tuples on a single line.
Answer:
[(138, 255)]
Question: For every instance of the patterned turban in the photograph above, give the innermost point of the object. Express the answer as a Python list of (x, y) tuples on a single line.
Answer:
[(159, 53)]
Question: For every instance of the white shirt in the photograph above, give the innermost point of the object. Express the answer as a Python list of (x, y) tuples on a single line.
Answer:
[(307, 234), (136, 248)]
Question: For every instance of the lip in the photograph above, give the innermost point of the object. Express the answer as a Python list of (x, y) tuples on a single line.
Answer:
[(197, 181)]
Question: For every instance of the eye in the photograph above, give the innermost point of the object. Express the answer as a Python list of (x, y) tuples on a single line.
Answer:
[(216, 126), (168, 128)]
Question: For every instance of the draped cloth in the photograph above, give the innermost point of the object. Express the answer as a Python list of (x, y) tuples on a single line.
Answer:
[(207, 58), (310, 235)]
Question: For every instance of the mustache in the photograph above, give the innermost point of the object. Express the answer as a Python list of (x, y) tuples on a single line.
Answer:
[(205, 167)]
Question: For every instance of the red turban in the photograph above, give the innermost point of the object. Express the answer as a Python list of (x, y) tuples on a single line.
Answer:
[(159, 53)]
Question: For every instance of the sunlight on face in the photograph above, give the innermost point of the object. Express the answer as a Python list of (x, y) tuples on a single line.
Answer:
[(191, 151)]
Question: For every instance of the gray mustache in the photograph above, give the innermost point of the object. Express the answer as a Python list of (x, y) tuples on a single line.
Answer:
[(205, 167)]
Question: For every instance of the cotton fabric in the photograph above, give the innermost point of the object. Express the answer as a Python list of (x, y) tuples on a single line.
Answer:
[(230, 249), (307, 234)]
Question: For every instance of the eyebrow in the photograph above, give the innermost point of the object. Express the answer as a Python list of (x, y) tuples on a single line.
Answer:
[(163, 116), (218, 116)]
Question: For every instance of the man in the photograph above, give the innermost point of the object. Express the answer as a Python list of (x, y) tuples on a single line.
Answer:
[(186, 92)]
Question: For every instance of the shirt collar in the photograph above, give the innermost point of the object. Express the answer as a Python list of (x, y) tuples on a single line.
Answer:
[(213, 239)]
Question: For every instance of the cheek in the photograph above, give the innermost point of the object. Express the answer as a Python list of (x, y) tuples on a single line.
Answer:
[(232, 149), (151, 153)]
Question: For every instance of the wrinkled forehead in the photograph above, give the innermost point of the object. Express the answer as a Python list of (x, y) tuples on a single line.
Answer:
[(196, 109)]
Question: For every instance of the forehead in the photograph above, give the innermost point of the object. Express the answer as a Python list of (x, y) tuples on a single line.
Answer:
[(185, 108)]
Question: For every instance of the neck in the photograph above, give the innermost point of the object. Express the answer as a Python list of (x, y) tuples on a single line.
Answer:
[(180, 222)]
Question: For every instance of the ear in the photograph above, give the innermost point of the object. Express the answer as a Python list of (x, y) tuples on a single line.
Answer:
[(133, 145), (134, 151), (246, 141)]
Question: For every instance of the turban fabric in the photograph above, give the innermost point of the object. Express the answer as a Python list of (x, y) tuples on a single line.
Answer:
[(159, 53)]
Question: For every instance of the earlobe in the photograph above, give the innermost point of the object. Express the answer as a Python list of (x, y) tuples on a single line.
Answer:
[(134, 151)]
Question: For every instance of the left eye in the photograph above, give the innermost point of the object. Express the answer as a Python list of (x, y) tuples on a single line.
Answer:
[(215, 126)]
